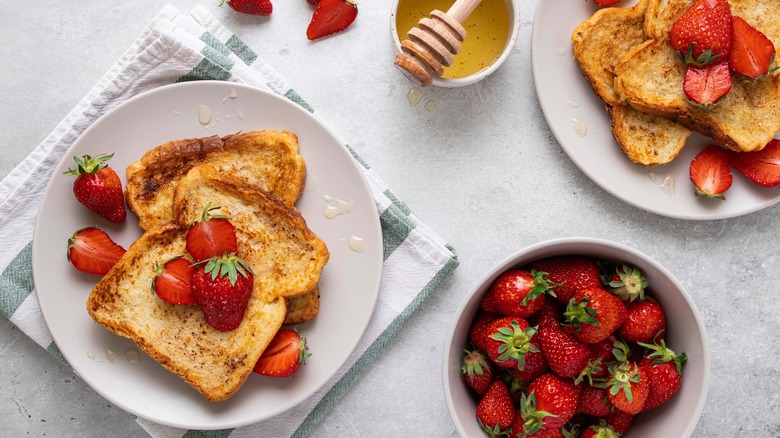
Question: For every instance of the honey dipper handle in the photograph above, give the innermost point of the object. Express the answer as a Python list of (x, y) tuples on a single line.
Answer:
[(461, 10)]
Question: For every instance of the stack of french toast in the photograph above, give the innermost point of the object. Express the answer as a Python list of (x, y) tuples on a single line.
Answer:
[(255, 179), (626, 56)]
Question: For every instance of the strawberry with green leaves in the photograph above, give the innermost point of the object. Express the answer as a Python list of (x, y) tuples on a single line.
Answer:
[(284, 355), (709, 172), (173, 281), (222, 288), (517, 292), (97, 187), (331, 16), (251, 7), (629, 386), (477, 371), (495, 411), (551, 402), (601, 430), (91, 250), (568, 274), (762, 167), (702, 34), (509, 341), (535, 363), (627, 282), (646, 321), (595, 314), (664, 371), (752, 53), (211, 235)]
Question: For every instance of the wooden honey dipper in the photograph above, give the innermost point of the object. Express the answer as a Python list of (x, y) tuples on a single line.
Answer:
[(432, 44)]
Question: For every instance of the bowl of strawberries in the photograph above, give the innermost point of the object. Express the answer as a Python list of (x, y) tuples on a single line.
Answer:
[(576, 336)]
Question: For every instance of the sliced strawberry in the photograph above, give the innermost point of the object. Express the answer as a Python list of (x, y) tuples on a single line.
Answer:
[(752, 53), (211, 236), (172, 281), (606, 2), (91, 250), (706, 85), (762, 167), (710, 172), (331, 16), (284, 355)]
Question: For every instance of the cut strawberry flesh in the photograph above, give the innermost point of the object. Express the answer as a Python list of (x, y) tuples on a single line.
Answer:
[(606, 2), (211, 238), (91, 250), (331, 16), (710, 172), (173, 284), (751, 52), (762, 167), (283, 355), (706, 85)]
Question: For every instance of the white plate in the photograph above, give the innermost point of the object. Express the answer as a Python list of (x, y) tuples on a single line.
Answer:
[(349, 284), (565, 95)]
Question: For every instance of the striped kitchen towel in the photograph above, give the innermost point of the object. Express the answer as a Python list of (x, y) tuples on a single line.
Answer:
[(180, 47)]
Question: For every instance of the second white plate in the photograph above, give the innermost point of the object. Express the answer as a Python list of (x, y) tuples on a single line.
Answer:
[(566, 97)]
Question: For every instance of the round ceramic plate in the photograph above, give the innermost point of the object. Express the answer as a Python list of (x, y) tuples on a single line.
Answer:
[(349, 282), (566, 97)]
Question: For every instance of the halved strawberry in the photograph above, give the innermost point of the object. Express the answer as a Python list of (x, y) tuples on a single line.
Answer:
[(762, 167), (284, 355), (91, 250), (172, 281), (606, 2), (211, 236), (706, 85), (331, 16), (752, 53), (710, 172)]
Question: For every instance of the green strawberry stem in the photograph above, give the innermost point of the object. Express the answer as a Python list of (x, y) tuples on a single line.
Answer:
[(541, 285), (662, 354), (227, 265), (88, 164), (578, 313), (623, 375), (207, 214), (515, 343), (533, 419)]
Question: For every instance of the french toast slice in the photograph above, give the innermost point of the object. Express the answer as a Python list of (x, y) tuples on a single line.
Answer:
[(286, 256), (302, 308), (214, 363), (267, 159), (650, 79), (598, 44)]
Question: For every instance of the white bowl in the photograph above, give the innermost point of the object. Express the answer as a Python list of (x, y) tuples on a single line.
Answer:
[(676, 418), (513, 8)]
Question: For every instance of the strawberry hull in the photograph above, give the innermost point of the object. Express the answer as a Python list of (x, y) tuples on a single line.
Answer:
[(677, 417)]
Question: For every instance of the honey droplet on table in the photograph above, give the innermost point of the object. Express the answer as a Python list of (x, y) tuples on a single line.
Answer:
[(430, 105), (414, 95)]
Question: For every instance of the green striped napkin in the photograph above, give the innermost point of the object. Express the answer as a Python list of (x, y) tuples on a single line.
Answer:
[(180, 47)]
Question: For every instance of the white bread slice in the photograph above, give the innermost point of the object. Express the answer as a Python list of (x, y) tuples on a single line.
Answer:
[(214, 363)]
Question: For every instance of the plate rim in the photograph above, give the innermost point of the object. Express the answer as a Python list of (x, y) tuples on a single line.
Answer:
[(365, 187)]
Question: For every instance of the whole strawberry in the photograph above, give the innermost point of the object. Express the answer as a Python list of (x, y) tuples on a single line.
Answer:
[(510, 341), (569, 274), (477, 371), (628, 283), (664, 371), (331, 16), (645, 322), (222, 288), (551, 402), (98, 187), (251, 7), (565, 354), (629, 386), (595, 314), (495, 411), (517, 292), (702, 34)]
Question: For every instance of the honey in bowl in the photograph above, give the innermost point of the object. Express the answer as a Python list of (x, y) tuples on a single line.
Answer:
[(487, 32)]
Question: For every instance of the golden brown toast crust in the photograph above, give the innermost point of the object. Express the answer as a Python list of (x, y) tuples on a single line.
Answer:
[(215, 363), (302, 308), (269, 160), (286, 255)]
